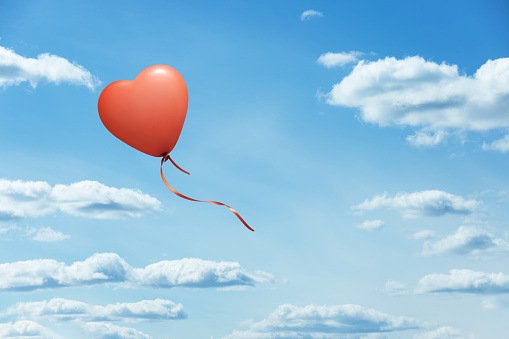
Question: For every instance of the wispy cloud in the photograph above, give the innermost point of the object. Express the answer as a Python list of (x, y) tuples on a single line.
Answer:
[(22, 199), (426, 138), (419, 93), (464, 241), (110, 331), (496, 301), (464, 281), (15, 69), (371, 225), (424, 234), (422, 203), (394, 287), (338, 59), (46, 234), (313, 321), (444, 332), (109, 268), (500, 145), (59, 309), (43, 234), (306, 15)]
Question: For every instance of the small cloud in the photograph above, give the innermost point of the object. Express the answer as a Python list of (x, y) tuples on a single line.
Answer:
[(23, 199), (59, 309), (496, 302), (500, 145), (444, 332), (15, 69), (395, 288), (316, 321), (466, 240), (371, 225), (424, 234), (338, 59), (426, 139), (419, 204), (26, 329), (306, 15), (110, 331), (464, 281), (46, 234)]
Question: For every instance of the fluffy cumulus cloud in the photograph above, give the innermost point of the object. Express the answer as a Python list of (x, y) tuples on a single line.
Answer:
[(312, 321), (464, 241), (419, 93), (338, 59), (464, 281), (371, 225), (25, 329), (423, 203), (110, 331), (59, 309), (15, 69), (306, 15), (21, 199), (110, 268)]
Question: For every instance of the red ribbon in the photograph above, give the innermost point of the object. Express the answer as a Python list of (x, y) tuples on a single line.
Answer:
[(167, 157)]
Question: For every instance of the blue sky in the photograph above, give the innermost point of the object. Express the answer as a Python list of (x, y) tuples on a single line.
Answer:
[(365, 142)]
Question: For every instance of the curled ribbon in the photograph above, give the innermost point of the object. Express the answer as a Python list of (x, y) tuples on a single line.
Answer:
[(167, 157)]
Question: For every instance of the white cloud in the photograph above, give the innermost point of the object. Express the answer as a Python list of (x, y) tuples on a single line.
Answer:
[(501, 145), (338, 59), (444, 332), (306, 15), (22, 199), (110, 331), (424, 234), (15, 69), (464, 281), (395, 287), (59, 309), (426, 138), (496, 302), (46, 234), (110, 268), (313, 321), (415, 92), (423, 203), (25, 329), (464, 241), (371, 225)]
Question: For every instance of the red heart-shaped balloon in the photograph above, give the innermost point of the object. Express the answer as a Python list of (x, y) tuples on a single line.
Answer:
[(148, 112)]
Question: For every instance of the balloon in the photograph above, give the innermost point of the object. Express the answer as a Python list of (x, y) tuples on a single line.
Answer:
[(148, 112)]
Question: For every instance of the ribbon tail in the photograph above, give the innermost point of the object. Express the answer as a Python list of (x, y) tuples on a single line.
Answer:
[(191, 199), (167, 156)]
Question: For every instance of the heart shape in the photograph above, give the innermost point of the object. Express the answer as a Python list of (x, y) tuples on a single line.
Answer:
[(148, 112)]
